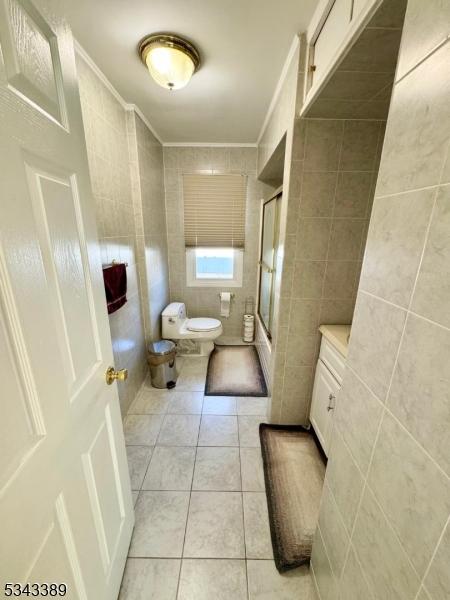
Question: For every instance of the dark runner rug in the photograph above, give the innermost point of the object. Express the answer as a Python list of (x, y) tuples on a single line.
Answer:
[(235, 371), (294, 470)]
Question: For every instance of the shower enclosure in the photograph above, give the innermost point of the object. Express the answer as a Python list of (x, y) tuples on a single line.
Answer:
[(267, 261)]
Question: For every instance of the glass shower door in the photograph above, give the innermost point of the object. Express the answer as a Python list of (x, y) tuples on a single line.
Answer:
[(269, 244)]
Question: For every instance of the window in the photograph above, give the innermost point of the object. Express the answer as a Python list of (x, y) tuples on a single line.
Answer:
[(214, 228), (214, 267), (214, 210), (214, 263)]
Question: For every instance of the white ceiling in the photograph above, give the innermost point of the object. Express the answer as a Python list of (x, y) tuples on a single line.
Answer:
[(243, 44)]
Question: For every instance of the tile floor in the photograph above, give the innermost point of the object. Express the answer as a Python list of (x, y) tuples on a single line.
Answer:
[(202, 529)]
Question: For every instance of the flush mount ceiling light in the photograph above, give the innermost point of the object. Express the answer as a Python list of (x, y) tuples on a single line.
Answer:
[(171, 59)]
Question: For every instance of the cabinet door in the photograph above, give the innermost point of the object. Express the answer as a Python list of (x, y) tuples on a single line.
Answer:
[(323, 403), (330, 36), (358, 6)]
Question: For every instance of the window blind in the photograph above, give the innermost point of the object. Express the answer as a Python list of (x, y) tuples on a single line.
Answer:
[(214, 210)]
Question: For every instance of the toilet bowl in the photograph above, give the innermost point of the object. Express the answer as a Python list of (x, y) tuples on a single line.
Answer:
[(203, 330)]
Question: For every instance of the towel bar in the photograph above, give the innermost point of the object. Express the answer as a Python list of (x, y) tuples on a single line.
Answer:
[(114, 262)]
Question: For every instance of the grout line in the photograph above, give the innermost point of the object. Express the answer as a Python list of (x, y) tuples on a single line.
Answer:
[(383, 409), (180, 558), (327, 556), (242, 506), (427, 570), (187, 516), (412, 190), (316, 585), (330, 235), (424, 58), (386, 410), (405, 309)]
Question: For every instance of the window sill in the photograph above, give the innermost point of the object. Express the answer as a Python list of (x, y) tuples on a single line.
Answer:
[(214, 283)]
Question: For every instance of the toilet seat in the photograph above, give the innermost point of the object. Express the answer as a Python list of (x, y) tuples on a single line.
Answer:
[(203, 324)]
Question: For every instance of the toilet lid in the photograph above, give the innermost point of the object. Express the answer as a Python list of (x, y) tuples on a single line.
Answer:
[(203, 324)]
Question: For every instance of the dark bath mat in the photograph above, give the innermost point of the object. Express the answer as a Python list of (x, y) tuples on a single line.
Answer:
[(235, 371), (294, 470)]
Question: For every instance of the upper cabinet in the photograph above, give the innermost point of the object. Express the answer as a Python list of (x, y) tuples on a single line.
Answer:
[(358, 6), (330, 37), (333, 29)]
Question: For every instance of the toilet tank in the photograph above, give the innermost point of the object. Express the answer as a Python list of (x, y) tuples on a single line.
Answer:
[(173, 317)]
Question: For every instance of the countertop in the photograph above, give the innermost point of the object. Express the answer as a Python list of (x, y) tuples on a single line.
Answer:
[(337, 335)]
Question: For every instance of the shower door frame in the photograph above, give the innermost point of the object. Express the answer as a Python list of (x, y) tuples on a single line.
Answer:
[(277, 197)]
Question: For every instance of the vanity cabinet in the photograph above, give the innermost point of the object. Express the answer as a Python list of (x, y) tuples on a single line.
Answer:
[(327, 383)]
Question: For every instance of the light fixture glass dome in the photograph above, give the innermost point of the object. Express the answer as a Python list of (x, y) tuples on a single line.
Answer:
[(170, 59)]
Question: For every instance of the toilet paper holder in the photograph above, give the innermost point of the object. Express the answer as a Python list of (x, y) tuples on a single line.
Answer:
[(231, 295)]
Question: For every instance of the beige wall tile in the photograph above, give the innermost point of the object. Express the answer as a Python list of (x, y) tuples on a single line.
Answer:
[(302, 350), (308, 279), (353, 585), (385, 563), (352, 194), (333, 531), (376, 332), (313, 237), (325, 579), (423, 594), (426, 26), (294, 409), (337, 312), (385, 40), (397, 529), (298, 380), (295, 180), (412, 491), (318, 191), (358, 86), (359, 146), (299, 145), (346, 238), (394, 247), (344, 480), (324, 138), (105, 123), (304, 317), (420, 394), (340, 279), (413, 157), (358, 414), (437, 580), (432, 292)]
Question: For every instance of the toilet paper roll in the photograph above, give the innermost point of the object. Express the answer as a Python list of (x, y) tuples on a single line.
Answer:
[(225, 302), (249, 328)]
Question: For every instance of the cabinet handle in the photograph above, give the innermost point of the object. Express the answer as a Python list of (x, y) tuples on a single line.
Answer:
[(331, 405)]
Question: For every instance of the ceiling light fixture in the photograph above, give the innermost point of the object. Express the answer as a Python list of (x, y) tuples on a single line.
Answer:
[(171, 59)]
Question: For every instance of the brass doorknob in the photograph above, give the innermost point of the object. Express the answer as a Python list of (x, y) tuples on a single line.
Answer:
[(112, 375)]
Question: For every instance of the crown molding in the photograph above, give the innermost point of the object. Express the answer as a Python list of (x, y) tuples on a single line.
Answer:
[(125, 105), (143, 118), (284, 71), (209, 145)]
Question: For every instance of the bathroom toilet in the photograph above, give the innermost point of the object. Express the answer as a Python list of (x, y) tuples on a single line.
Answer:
[(176, 326)]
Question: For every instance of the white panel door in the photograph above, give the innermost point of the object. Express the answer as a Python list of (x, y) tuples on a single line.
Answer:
[(66, 514)]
